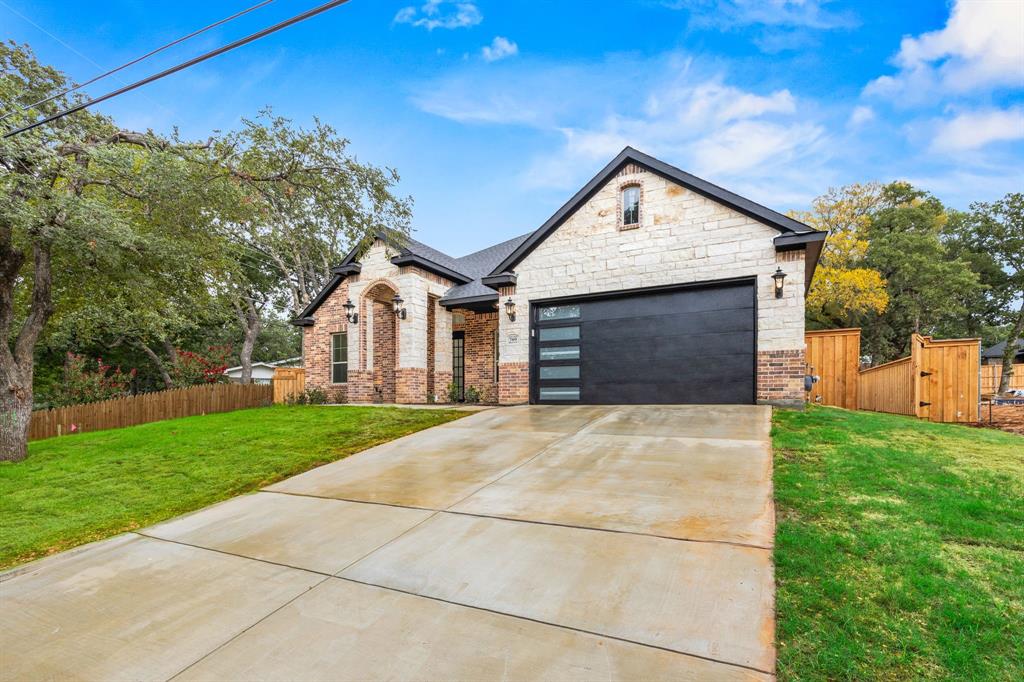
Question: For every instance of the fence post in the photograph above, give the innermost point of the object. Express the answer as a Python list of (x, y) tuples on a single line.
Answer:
[(915, 373)]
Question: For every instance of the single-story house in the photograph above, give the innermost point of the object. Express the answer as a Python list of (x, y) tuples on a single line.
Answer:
[(994, 354), (262, 372), (650, 285)]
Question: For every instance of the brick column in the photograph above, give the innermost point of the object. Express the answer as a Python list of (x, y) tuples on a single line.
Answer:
[(780, 377)]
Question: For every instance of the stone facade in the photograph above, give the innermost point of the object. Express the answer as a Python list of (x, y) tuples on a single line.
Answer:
[(682, 237)]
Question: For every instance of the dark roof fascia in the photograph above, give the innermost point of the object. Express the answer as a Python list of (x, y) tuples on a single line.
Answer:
[(505, 279), (747, 207), (467, 300), (811, 255), (303, 321), (793, 242), (347, 269), (431, 266)]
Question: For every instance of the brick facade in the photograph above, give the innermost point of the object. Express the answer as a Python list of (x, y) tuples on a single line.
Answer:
[(316, 345), (514, 383), (480, 330), (780, 377)]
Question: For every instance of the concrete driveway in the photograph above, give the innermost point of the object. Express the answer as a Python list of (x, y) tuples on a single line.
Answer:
[(544, 542)]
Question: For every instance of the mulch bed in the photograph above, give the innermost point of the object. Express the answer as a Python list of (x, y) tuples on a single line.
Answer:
[(1005, 417)]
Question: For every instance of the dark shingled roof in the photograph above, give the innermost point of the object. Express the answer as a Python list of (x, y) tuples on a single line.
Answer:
[(501, 258), (998, 349), (478, 264)]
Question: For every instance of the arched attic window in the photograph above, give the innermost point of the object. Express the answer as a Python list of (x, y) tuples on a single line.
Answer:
[(629, 200)]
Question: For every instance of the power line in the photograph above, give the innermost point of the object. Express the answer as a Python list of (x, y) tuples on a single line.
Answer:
[(184, 65), (127, 64)]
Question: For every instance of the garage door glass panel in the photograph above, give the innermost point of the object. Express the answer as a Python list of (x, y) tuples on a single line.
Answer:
[(560, 372), (559, 312), (559, 333), (559, 393), (560, 353)]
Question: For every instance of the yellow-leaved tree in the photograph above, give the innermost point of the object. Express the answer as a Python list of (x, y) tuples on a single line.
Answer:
[(844, 289)]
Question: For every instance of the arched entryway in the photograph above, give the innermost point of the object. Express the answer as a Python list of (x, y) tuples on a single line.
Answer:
[(380, 340)]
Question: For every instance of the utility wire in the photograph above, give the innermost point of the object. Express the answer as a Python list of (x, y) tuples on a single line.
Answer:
[(135, 61), (184, 65)]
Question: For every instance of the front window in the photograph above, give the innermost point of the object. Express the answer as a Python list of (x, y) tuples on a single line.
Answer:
[(631, 205), (339, 358)]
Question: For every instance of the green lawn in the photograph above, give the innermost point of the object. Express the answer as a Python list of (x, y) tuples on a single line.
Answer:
[(900, 548), (76, 489)]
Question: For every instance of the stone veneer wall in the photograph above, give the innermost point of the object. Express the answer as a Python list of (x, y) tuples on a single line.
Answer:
[(683, 237), (409, 346), (479, 351)]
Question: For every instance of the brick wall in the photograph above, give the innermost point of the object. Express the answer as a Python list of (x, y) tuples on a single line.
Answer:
[(514, 384), (316, 344), (479, 349), (780, 377), (384, 352), (410, 385)]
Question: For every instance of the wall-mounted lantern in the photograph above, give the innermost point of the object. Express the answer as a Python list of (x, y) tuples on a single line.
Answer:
[(510, 309), (396, 304), (780, 278), (350, 314)]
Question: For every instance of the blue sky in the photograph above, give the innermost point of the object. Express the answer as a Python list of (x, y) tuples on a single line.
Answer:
[(496, 112)]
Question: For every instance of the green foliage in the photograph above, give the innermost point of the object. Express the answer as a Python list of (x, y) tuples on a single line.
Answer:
[(899, 552), (311, 396), (472, 394), (76, 489), (195, 369), (89, 382), (452, 393)]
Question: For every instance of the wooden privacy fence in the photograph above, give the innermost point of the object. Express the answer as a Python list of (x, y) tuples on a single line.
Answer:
[(888, 388), (834, 356), (990, 377), (148, 407), (938, 382), (287, 382)]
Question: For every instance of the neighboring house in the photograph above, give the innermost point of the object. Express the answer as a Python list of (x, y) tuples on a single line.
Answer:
[(994, 355), (649, 286), (262, 372)]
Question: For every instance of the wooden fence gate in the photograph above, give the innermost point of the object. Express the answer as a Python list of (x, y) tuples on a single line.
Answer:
[(938, 382), (287, 382), (834, 356)]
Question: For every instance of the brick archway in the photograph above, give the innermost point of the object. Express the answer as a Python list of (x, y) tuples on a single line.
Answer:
[(379, 339)]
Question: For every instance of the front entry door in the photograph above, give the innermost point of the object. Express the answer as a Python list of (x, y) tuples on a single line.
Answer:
[(459, 364)]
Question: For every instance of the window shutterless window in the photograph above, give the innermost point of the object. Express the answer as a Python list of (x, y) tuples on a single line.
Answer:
[(339, 358), (631, 205)]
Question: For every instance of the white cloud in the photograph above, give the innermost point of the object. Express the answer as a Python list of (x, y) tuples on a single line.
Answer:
[(440, 14), (802, 13), (860, 115), (500, 48), (981, 47), (975, 129)]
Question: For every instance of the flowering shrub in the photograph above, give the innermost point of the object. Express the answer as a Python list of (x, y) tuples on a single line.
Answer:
[(81, 383), (193, 369)]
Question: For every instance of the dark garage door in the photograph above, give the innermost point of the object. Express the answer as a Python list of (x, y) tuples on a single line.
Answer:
[(692, 344)]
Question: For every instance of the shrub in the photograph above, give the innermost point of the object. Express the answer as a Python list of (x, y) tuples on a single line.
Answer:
[(453, 393), (311, 396), (82, 384), (472, 394)]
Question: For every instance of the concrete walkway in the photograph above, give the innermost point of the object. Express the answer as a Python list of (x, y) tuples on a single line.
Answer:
[(525, 543)]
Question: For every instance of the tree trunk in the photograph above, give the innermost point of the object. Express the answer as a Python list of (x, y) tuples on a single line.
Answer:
[(15, 416), (1011, 350), (249, 318), (155, 359)]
